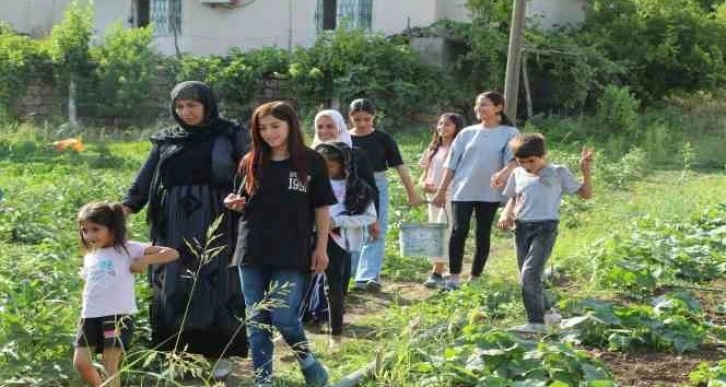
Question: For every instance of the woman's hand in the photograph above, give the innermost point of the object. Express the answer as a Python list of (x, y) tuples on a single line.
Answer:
[(414, 200), (235, 202), (319, 260), (505, 223), (127, 210)]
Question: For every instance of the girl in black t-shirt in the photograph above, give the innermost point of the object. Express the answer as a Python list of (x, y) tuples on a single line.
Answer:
[(283, 197), (382, 152)]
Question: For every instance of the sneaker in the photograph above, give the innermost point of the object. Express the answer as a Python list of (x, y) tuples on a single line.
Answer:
[(315, 374), (263, 383), (222, 369), (473, 279), (434, 281), (358, 286), (530, 328), (552, 318), (334, 342), (451, 284), (372, 286)]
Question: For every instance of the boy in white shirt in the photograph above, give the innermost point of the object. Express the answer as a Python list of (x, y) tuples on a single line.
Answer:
[(534, 191)]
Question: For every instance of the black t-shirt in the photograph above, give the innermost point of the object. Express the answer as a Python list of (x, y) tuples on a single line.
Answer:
[(381, 150), (276, 227)]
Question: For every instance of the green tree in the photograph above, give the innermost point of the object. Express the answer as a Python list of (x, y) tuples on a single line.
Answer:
[(70, 49)]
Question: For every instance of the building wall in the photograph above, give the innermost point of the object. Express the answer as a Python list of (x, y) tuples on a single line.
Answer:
[(392, 17), (549, 14), (454, 10), (289, 23), (33, 17)]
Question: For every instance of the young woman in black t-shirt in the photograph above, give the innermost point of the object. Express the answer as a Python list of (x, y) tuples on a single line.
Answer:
[(382, 152), (283, 197)]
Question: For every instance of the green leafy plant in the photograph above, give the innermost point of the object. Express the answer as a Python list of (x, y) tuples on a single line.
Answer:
[(674, 322), (706, 375)]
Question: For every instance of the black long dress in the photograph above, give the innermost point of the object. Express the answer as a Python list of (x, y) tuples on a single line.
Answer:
[(184, 181)]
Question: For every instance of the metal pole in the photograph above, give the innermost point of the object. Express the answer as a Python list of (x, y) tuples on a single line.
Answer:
[(514, 54)]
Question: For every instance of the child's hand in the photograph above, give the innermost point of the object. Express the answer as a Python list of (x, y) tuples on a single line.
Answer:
[(414, 200), (235, 202), (586, 157), (498, 180), (319, 260), (505, 223), (138, 265), (374, 230), (429, 188)]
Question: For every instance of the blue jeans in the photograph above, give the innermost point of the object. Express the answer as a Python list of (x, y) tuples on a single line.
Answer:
[(372, 253), (534, 242), (281, 293)]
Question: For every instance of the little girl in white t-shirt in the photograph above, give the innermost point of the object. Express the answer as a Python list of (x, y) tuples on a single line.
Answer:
[(108, 295)]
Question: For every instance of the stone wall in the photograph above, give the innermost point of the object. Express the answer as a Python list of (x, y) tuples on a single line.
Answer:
[(40, 100)]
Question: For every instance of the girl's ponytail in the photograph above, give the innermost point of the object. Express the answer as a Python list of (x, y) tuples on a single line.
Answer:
[(505, 120)]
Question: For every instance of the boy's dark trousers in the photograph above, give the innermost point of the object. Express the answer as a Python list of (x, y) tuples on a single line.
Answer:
[(534, 242), (338, 266)]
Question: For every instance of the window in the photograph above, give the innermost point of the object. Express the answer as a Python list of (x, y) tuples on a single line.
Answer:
[(326, 14), (141, 13), (352, 13), (166, 16)]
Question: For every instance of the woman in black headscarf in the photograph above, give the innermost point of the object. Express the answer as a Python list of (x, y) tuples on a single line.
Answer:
[(188, 173)]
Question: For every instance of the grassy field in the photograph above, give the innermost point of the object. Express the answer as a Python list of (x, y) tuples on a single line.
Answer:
[(40, 289)]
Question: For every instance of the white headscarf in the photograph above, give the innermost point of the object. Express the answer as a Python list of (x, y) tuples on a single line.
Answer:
[(343, 135)]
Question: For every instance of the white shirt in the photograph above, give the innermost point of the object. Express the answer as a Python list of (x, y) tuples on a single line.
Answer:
[(109, 287), (352, 227), (538, 197)]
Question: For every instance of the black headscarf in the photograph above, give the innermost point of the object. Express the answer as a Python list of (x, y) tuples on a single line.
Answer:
[(212, 125), (358, 194), (174, 140)]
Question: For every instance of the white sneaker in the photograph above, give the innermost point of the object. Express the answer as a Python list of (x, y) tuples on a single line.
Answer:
[(530, 328), (552, 318), (223, 369)]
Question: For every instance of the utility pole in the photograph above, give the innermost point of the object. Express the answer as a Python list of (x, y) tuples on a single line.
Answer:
[(514, 58)]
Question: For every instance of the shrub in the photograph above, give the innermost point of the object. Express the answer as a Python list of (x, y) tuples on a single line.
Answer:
[(124, 71)]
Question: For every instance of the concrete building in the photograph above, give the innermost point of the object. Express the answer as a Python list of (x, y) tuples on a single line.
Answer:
[(214, 26), (33, 17)]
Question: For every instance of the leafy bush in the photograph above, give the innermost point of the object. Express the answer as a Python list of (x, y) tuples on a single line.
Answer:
[(674, 322), (124, 71), (659, 255), (21, 58), (706, 375), (485, 356), (348, 64), (617, 111), (238, 77)]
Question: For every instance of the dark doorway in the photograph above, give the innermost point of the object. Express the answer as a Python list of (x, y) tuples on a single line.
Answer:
[(330, 14), (143, 13)]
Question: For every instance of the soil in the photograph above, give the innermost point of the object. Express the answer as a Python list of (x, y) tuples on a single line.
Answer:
[(655, 369)]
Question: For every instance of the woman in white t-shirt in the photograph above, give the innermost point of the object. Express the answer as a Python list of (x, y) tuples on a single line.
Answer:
[(108, 295), (432, 162)]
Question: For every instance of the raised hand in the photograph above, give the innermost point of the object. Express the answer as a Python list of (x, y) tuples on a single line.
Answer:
[(586, 157)]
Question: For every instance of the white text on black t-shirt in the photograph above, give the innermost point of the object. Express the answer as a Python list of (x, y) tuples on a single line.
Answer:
[(296, 184)]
